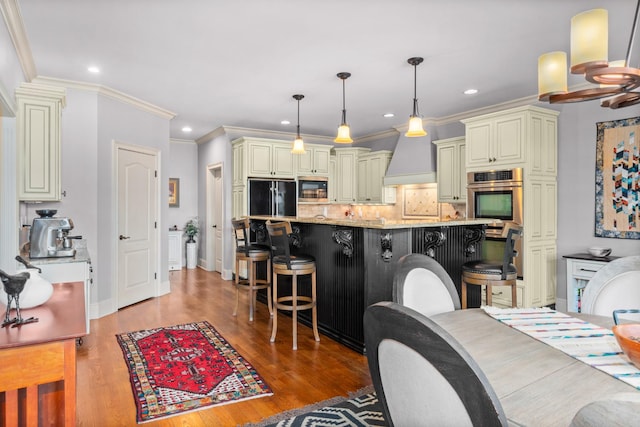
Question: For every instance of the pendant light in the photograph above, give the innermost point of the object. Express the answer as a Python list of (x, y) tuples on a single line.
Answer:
[(344, 133), (298, 144), (415, 121), (617, 81)]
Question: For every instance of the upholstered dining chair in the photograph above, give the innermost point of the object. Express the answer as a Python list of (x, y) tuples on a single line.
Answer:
[(422, 284), (614, 286), (285, 263), (252, 255), (422, 374), (494, 273)]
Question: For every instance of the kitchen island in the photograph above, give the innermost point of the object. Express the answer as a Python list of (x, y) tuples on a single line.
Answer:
[(356, 260)]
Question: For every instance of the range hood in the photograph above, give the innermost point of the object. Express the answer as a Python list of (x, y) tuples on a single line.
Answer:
[(413, 162)]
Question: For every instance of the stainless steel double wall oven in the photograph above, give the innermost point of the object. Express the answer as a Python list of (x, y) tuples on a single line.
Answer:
[(497, 194)]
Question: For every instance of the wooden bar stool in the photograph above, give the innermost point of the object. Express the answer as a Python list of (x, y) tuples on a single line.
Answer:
[(493, 273), (252, 255), (291, 265)]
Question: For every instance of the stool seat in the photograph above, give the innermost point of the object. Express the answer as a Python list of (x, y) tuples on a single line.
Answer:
[(296, 261), (252, 255), (286, 264), (488, 268)]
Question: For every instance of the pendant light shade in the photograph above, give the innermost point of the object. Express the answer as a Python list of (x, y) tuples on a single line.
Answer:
[(344, 132), (415, 121), (618, 82), (298, 144)]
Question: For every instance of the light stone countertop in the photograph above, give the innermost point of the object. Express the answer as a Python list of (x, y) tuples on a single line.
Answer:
[(378, 223), (82, 255)]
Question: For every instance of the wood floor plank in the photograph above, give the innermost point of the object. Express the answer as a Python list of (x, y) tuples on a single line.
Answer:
[(315, 372)]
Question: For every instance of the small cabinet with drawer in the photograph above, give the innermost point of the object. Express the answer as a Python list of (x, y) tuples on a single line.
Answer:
[(580, 269)]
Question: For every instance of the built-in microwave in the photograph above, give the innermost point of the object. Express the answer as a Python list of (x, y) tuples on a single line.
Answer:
[(313, 189)]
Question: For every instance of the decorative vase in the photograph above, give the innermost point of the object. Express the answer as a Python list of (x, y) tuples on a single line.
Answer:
[(192, 255)]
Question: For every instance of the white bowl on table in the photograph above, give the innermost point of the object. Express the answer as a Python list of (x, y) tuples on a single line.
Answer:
[(599, 252)]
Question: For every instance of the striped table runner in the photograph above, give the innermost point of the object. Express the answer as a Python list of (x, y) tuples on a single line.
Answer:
[(589, 343)]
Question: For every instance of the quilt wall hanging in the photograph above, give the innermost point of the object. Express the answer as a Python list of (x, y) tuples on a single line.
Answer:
[(618, 179)]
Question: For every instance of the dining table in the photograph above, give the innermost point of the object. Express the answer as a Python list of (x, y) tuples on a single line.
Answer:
[(537, 385)]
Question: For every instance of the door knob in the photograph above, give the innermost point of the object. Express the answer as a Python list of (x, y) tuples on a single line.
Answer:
[(214, 226), (124, 237)]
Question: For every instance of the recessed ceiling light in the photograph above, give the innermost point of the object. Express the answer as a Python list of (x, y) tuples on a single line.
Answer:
[(470, 91), (93, 69), (285, 122), (186, 129), (388, 115)]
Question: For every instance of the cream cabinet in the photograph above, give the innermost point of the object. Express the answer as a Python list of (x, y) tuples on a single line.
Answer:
[(524, 137), (371, 170), (513, 138), (269, 158), (175, 250), (451, 170), (333, 181), (38, 119), (346, 182), (315, 162)]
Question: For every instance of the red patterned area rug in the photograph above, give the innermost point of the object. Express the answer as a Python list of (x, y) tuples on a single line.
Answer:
[(185, 368)]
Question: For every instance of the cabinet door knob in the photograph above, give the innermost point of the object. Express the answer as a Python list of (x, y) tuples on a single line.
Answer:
[(124, 237)]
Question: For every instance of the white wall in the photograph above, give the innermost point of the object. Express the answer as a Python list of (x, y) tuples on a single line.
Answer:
[(212, 151), (183, 164), (576, 183)]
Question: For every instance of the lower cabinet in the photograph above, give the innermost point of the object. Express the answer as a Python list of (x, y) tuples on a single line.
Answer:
[(580, 269), (175, 250), (71, 272)]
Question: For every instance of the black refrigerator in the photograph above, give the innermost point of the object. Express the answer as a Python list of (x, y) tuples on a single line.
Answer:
[(273, 197)]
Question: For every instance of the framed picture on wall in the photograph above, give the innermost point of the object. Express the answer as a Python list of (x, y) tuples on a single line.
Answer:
[(174, 192), (618, 179)]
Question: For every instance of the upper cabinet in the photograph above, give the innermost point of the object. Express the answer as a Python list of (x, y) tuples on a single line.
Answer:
[(39, 138), (346, 182), (315, 162), (513, 138), (451, 171), (268, 158), (371, 170)]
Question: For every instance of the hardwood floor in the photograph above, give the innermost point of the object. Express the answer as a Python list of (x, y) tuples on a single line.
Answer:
[(316, 371)]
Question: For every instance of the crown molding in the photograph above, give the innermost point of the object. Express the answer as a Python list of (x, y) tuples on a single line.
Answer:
[(182, 141), (15, 25), (108, 92), (391, 133)]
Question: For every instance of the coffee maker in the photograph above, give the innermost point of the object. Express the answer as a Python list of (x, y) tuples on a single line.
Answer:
[(49, 238)]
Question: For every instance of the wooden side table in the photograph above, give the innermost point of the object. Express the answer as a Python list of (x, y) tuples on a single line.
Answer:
[(38, 361)]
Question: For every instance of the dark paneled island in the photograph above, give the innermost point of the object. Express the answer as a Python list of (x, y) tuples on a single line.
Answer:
[(356, 261)]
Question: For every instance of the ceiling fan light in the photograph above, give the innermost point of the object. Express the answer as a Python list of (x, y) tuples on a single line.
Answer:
[(298, 146), (415, 127), (589, 40), (344, 134), (552, 74)]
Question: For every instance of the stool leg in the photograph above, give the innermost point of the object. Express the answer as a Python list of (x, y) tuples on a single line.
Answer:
[(235, 310), (514, 296), (489, 294), (314, 309), (294, 312), (463, 296), (269, 280), (252, 291), (274, 325)]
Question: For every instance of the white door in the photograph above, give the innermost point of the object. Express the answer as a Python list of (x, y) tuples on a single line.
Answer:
[(215, 226), (136, 194)]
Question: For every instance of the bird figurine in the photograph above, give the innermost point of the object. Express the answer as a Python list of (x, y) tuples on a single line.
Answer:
[(13, 285)]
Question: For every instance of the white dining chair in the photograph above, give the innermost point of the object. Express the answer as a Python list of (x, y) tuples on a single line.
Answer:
[(614, 286), (422, 284)]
